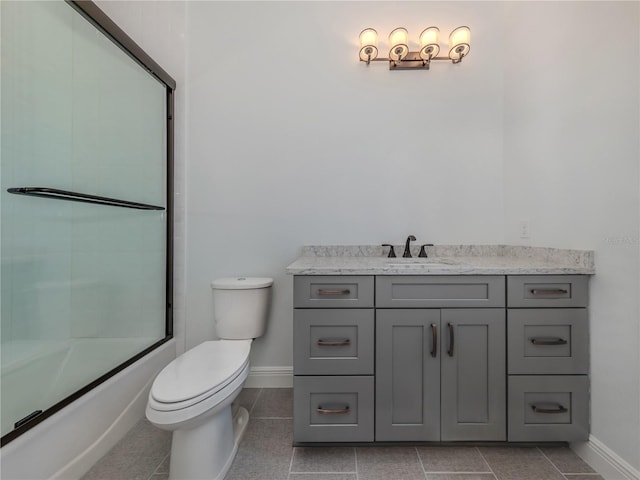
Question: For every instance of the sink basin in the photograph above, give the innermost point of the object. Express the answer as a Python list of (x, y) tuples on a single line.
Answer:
[(419, 262)]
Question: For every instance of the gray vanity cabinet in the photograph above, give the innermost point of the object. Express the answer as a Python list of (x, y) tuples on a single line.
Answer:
[(440, 375), (424, 358)]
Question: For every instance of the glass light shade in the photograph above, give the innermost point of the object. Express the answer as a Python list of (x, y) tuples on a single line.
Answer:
[(368, 44), (398, 44), (429, 47), (459, 42)]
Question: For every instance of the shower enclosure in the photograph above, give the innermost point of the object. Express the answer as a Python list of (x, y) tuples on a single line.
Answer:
[(86, 213)]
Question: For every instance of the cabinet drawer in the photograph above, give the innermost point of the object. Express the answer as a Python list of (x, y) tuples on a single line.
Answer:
[(547, 290), (548, 341), (332, 409), (548, 408), (411, 291), (313, 291), (333, 342)]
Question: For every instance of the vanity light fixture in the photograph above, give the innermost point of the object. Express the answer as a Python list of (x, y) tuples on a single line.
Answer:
[(401, 58)]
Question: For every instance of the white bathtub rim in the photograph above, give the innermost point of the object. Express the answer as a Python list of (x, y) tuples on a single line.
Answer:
[(66, 450)]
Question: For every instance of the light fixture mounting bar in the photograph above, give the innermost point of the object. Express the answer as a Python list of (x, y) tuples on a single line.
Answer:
[(412, 61)]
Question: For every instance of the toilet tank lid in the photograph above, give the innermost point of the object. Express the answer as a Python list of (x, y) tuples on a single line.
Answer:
[(241, 283)]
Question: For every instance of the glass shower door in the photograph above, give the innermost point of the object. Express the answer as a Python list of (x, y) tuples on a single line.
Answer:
[(84, 282)]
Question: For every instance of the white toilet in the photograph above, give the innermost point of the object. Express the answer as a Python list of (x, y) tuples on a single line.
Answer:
[(192, 395)]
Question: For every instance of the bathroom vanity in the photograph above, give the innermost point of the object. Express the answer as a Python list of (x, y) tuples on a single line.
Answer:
[(472, 344)]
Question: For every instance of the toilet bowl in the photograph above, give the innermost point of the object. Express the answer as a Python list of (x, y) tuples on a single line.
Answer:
[(193, 395)]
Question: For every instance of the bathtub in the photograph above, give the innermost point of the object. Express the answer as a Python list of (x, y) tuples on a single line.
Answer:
[(69, 442)]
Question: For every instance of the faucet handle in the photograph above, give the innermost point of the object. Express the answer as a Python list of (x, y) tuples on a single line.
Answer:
[(423, 252), (392, 253)]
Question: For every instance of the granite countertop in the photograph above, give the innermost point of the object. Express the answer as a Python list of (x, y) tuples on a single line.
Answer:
[(442, 260)]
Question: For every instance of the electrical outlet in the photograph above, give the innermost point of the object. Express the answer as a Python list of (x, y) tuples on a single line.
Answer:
[(525, 231)]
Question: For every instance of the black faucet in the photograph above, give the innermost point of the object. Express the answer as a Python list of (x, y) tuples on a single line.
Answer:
[(407, 251)]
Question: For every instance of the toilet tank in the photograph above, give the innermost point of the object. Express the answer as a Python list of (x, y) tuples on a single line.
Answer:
[(241, 306)]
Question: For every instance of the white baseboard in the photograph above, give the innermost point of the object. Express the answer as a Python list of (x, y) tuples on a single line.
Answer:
[(270, 377), (604, 460)]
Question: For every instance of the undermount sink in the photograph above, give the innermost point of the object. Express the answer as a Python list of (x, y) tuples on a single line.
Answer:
[(419, 262)]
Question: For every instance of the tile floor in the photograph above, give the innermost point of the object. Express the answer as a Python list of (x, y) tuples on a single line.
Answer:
[(266, 454)]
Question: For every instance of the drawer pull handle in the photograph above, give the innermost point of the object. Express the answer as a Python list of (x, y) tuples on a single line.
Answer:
[(333, 411), (323, 291), (549, 291), (548, 341), (434, 340), (334, 343), (450, 351), (559, 409)]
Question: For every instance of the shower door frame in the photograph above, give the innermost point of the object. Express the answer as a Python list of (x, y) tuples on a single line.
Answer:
[(102, 22)]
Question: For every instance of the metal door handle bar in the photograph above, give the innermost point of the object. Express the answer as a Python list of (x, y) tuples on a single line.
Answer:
[(549, 291), (27, 419), (434, 335), (80, 197), (558, 409), (548, 341), (333, 411), (450, 351), (334, 343), (334, 292)]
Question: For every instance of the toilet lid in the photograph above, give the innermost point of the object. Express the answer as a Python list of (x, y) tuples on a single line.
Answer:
[(206, 368)]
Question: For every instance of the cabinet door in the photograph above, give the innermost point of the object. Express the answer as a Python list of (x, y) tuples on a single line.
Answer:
[(407, 375), (473, 375)]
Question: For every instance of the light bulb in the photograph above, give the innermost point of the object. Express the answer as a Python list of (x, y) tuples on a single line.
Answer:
[(368, 44), (429, 47), (459, 43), (398, 44)]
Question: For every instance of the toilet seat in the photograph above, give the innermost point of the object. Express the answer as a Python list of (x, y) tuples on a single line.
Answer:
[(199, 374)]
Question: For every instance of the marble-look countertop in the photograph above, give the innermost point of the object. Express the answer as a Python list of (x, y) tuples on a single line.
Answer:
[(442, 260)]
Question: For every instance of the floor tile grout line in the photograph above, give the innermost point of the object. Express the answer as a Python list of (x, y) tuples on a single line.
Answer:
[(293, 453), (456, 472), (150, 477), (588, 474), (552, 464), (255, 401), (273, 418), (571, 473), (355, 455), (424, 472), (330, 472), (495, 475), (161, 462)]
